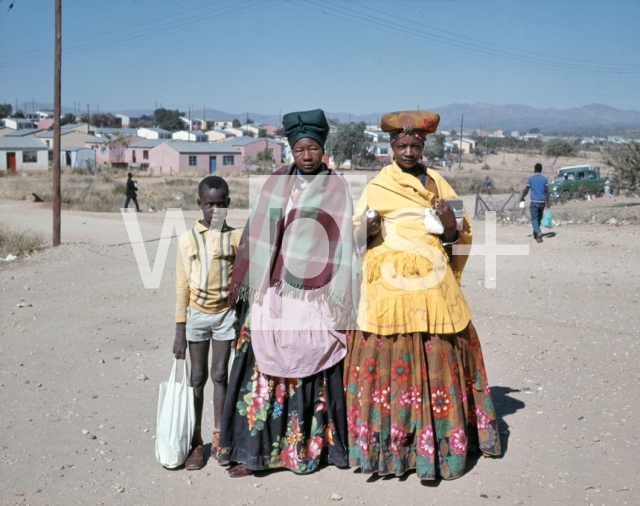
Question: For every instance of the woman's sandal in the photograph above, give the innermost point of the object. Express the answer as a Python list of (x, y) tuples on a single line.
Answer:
[(239, 471)]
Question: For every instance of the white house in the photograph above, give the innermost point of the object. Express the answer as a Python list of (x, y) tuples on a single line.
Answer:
[(125, 120), (382, 151), (23, 153), (154, 133), (225, 124), (377, 136), (45, 114), (191, 136), (253, 129), (467, 144), (18, 123), (192, 124)]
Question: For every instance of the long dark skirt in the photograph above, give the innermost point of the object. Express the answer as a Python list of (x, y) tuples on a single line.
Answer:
[(270, 422), (418, 401)]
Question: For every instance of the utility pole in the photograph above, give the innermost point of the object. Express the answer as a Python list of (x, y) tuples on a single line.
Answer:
[(461, 123), (486, 143), (56, 123)]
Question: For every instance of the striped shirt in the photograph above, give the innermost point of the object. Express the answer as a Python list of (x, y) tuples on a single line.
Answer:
[(204, 264)]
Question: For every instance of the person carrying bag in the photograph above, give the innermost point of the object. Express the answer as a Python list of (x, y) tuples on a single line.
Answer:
[(176, 419)]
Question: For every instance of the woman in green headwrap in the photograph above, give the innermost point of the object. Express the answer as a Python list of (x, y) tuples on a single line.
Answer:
[(293, 277)]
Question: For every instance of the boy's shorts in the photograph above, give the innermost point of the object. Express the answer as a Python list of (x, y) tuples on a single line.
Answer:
[(204, 326)]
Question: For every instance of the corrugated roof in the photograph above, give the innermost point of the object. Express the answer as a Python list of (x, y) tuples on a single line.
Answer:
[(49, 133), (203, 147), (197, 133), (147, 143), (21, 143), (114, 130), (71, 126), (23, 131), (245, 140)]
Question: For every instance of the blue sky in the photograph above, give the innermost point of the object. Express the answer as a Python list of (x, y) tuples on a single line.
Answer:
[(365, 56)]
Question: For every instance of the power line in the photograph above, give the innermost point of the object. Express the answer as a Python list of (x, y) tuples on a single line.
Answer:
[(509, 48), (113, 42), (424, 33)]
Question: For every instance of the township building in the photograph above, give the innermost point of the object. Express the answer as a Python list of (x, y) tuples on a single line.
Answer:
[(249, 147), (23, 153), (175, 157), (465, 145)]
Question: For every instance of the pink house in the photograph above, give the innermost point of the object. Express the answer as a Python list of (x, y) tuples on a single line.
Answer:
[(250, 147), (44, 124), (175, 157), (115, 156), (139, 153), (271, 129)]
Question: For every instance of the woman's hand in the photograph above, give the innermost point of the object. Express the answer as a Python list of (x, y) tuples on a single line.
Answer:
[(369, 226), (448, 219)]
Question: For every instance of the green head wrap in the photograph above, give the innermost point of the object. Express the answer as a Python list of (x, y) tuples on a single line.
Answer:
[(306, 124)]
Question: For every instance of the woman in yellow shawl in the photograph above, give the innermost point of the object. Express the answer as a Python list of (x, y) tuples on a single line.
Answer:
[(416, 386)]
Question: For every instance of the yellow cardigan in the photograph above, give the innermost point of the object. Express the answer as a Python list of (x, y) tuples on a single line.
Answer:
[(410, 284)]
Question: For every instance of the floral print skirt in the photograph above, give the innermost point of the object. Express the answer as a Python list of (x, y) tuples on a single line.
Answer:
[(270, 422), (417, 401)]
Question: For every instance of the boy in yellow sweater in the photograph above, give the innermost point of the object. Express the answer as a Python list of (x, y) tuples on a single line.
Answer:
[(203, 318)]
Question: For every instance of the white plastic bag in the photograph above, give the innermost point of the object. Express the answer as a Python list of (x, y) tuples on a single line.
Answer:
[(176, 419), (432, 222)]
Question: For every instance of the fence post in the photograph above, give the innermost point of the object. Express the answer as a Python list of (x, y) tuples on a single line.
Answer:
[(475, 212)]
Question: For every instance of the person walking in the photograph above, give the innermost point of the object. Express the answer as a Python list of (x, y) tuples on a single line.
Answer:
[(607, 188), (132, 189), (539, 186)]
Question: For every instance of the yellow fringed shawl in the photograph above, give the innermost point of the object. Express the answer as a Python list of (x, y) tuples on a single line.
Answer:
[(402, 291)]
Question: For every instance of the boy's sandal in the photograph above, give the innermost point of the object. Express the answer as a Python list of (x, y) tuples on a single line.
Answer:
[(195, 460), (239, 471)]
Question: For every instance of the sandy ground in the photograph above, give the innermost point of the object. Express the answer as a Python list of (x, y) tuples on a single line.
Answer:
[(560, 337)]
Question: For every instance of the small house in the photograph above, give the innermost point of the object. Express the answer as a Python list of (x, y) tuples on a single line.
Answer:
[(250, 147), (175, 157), (23, 153), (17, 123), (137, 154), (219, 135), (190, 136), (464, 145), (154, 133)]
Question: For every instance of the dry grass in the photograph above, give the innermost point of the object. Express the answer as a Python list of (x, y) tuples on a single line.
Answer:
[(104, 193), (17, 242)]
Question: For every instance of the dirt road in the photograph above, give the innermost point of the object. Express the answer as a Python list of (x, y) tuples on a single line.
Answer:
[(80, 365)]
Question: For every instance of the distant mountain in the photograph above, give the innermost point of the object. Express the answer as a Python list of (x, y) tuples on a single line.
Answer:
[(521, 117), (481, 115)]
